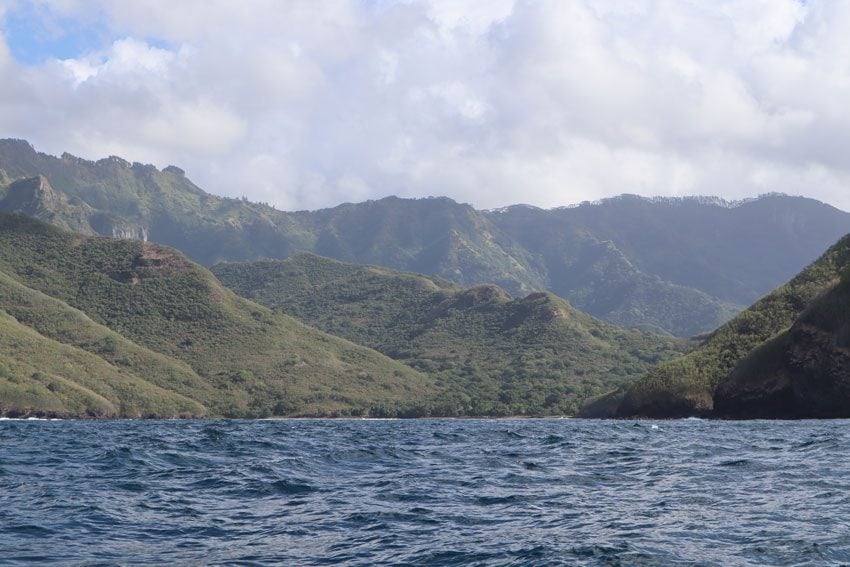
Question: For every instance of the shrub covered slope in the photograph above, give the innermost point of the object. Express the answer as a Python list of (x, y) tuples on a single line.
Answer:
[(123, 327), (494, 355)]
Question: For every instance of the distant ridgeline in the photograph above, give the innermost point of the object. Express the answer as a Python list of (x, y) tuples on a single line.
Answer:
[(683, 200), (678, 266)]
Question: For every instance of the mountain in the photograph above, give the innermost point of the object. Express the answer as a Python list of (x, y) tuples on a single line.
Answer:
[(496, 355), (678, 266), (684, 265), (599, 278), (742, 360), (436, 236), (104, 327), (133, 200)]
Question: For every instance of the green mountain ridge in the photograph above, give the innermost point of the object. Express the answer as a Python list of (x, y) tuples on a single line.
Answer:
[(100, 327), (746, 358), (677, 266), (495, 355), (123, 327)]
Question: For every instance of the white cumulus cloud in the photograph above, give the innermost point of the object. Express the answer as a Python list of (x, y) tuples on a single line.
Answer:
[(307, 104)]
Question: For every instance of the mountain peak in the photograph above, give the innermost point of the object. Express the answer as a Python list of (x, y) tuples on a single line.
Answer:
[(36, 197), (546, 306), (32, 194), (116, 161), (175, 170), (16, 145)]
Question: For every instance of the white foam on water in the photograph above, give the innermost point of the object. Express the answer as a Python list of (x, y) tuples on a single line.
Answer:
[(29, 419)]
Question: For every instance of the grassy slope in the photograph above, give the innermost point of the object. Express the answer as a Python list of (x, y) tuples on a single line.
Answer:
[(250, 361), (678, 266), (40, 376), (495, 355), (62, 323), (685, 386)]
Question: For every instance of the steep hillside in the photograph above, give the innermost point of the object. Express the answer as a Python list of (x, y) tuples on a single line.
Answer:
[(434, 236), (44, 377), (496, 355), (803, 372), (684, 265), (60, 332), (734, 251), (680, 266), (686, 386), (133, 200), (147, 311)]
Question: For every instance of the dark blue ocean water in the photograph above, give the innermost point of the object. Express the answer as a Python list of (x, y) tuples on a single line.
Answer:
[(430, 492)]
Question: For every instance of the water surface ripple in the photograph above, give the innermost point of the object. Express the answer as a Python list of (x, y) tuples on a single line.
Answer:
[(428, 492)]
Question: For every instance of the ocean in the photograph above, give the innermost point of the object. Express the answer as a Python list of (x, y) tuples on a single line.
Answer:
[(424, 492)]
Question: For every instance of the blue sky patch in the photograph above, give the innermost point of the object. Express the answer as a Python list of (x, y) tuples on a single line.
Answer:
[(35, 34)]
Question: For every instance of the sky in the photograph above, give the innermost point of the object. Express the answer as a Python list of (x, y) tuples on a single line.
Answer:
[(308, 104)]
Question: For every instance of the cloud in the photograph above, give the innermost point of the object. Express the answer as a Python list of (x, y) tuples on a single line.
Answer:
[(307, 104)]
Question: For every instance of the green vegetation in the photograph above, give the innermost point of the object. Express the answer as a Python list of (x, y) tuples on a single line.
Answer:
[(686, 386), (56, 320), (39, 376), (155, 322), (599, 278), (122, 327), (491, 355), (93, 326), (735, 252), (679, 266)]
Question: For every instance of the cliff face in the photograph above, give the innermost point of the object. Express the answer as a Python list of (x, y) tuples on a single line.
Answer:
[(796, 371), (108, 225), (36, 197)]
